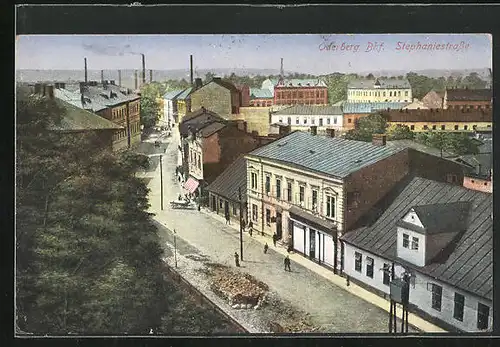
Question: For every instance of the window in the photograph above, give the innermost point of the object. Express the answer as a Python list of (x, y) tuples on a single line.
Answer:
[(433, 127), (357, 261), (278, 188), (443, 127), (483, 313), (390, 93), (437, 293), (199, 162), (406, 93), (254, 180), (465, 127), (474, 127), (458, 311), (412, 127), (297, 120), (349, 120), (414, 243), (399, 93), (302, 190), (384, 93), (289, 191), (268, 184), (305, 120), (426, 127), (450, 178), (369, 267), (328, 120), (313, 120), (386, 279), (456, 127), (330, 206), (315, 200), (406, 240), (268, 216), (334, 120), (255, 216)]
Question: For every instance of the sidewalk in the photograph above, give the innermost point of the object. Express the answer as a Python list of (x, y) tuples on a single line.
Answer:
[(362, 293)]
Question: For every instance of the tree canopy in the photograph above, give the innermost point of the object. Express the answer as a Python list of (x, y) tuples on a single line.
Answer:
[(365, 127), (455, 143)]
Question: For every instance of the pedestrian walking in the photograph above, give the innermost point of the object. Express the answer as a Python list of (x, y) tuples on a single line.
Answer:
[(250, 228), (236, 259), (287, 263), (179, 197), (266, 247), (228, 219), (275, 238)]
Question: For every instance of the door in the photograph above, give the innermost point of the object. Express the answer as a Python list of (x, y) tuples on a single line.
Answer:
[(312, 244), (289, 120), (298, 238), (226, 208), (214, 203), (279, 228)]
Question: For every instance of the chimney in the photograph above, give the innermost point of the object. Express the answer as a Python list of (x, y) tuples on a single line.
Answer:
[(143, 69), (191, 69), (284, 130), (198, 83), (150, 76), (120, 78), (39, 88), (379, 139), (102, 76), (49, 91), (330, 132), (135, 78), (85, 61), (314, 130), (216, 78)]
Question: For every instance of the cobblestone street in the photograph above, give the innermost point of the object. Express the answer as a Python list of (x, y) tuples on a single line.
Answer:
[(331, 308)]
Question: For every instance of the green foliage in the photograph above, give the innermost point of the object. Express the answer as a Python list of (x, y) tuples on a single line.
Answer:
[(399, 132), (421, 85), (337, 86), (88, 255), (455, 143), (150, 107), (365, 127)]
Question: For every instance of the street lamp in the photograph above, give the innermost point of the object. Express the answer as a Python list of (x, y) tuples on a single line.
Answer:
[(175, 248)]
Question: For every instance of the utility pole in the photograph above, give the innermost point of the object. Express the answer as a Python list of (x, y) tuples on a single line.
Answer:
[(175, 249), (241, 223), (161, 181)]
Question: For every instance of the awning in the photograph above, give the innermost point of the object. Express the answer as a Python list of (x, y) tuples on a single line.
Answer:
[(191, 184), (312, 220)]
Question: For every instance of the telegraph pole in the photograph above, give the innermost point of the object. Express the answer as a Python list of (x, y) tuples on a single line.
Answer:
[(175, 248), (241, 224), (161, 182)]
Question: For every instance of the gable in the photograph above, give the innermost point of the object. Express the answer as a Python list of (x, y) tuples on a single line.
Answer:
[(412, 218)]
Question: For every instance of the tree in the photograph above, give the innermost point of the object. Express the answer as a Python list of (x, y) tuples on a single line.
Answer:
[(150, 106), (89, 259), (473, 81), (455, 143), (365, 127), (399, 132), (370, 76)]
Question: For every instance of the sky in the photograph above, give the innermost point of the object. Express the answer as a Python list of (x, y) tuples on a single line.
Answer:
[(306, 53)]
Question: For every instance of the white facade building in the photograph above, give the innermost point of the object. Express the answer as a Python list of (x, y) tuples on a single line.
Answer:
[(170, 107), (441, 235), (302, 117)]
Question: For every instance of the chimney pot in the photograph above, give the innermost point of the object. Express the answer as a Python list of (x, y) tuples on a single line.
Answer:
[(330, 132), (198, 83), (314, 130), (379, 140)]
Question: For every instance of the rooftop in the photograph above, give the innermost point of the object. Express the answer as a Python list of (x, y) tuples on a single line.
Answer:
[(381, 82), (469, 94), (199, 119), (439, 115), (300, 83), (369, 107), (257, 93), (332, 156), (172, 94), (185, 94), (311, 110), (469, 264), (232, 178)]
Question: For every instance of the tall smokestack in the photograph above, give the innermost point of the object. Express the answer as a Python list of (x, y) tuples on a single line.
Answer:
[(135, 78), (191, 68), (150, 76), (102, 76), (282, 72), (143, 69), (120, 78), (85, 62)]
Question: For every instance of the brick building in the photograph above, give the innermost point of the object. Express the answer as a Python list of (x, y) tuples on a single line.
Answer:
[(311, 189), (297, 91), (352, 111), (441, 119), (261, 97), (219, 96), (468, 99)]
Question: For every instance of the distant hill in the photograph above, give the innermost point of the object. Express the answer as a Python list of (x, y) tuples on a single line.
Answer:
[(434, 73)]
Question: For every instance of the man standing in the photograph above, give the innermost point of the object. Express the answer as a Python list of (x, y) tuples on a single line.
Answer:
[(275, 238), (287, 263), (266, 247), (236, 259), (228, 219), (250, 228)]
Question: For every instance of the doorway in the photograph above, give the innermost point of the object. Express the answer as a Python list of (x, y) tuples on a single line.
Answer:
[(321, 122), (279, 227), (312, 244), (226, 208), (214, 203)]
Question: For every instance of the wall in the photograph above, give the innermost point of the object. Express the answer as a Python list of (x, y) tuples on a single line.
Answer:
[(414, 256), (433, 167), (196, 153), (257, 119), (479, 184), (301, 95), (432, 100), (372, 183), (464, 103), (449, 126), (379, 95), (420, 296), (234, 207), (260, 102), (214, 98), (349, 120)]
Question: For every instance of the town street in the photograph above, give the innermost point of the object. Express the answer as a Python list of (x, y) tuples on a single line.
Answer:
[(333, 308)]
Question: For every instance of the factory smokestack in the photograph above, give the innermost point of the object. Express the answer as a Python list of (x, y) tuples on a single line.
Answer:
[(150, 76), (102, 76), (135, 77), (143, 69), (85, 62), (120, 78), (191, 68)]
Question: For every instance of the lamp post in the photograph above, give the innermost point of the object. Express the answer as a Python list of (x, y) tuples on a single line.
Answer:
[(175, 249), (241, 224)]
